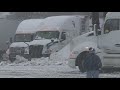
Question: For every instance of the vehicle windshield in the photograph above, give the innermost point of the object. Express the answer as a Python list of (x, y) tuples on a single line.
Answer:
[(111, 25), (47, 34), (23, 38)]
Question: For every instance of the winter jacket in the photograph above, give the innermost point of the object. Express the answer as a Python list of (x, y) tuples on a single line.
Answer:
[(92, 62)]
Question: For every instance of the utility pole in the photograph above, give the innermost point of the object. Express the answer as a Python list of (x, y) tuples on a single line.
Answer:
[(95, 19)]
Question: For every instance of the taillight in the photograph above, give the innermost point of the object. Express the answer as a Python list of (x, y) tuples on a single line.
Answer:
[(73, 55)]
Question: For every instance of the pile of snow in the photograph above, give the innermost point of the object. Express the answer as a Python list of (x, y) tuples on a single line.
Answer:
[(62, 55), (3, 63), (21, 61), (18, 60)]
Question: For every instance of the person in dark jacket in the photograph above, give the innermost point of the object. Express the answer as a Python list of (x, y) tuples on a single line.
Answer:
[(92, 64)]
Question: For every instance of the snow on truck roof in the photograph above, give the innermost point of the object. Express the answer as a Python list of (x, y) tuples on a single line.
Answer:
[(113, 15), (29, 26), (57, 22)]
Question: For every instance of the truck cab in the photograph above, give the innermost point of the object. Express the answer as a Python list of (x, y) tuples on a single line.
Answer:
[(23, 36), (47, 42), (55, 33)]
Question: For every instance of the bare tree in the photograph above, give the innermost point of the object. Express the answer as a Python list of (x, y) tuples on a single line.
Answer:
[(95, 19)]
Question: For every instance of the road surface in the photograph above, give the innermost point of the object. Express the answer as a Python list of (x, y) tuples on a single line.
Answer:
[(51, 71)]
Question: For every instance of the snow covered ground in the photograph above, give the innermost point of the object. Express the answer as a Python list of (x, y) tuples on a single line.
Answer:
[(55, 67)]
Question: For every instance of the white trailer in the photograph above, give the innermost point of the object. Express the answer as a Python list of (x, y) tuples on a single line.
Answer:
[(106, 43), (23, 36), (55, 33)]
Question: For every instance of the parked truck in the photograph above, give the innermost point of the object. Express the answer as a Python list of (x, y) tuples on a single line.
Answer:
[(105, 41), (55, 33), (23, 36)]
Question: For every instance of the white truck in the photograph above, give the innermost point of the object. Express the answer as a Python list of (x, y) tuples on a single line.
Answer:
[(55, 33), (106, 42), (24, 35)]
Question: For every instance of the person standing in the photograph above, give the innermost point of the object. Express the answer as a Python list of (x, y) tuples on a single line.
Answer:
[(92, 64)]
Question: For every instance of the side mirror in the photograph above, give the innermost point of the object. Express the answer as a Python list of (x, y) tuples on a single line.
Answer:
[(63, 36), (52, 40), (56, 42), (11, 40), (7, 42)]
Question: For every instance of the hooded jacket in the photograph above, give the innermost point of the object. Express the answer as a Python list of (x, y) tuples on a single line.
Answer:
[(92, 62)]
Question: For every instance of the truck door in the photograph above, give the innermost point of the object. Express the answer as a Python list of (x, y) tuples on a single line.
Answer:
[(63, 40), (110, 39)]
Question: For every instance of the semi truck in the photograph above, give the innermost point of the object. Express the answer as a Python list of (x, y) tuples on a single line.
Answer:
[(23, 36), (105, 41), (55, 33)]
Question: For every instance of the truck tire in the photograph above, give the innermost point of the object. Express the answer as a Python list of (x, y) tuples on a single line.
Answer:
[(81, 68), (79, 60)]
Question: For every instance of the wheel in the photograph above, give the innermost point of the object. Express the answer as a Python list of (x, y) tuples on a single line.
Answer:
[(79, 60), (81, 68)]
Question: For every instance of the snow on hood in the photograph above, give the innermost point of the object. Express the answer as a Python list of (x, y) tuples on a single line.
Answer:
[(61, 55), (19, 44), (40, 42)]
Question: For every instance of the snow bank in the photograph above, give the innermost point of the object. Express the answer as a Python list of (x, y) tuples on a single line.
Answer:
[(62, 55), (58, 58)]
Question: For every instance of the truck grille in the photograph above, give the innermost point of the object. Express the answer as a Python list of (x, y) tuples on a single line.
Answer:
[(36, 51)]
